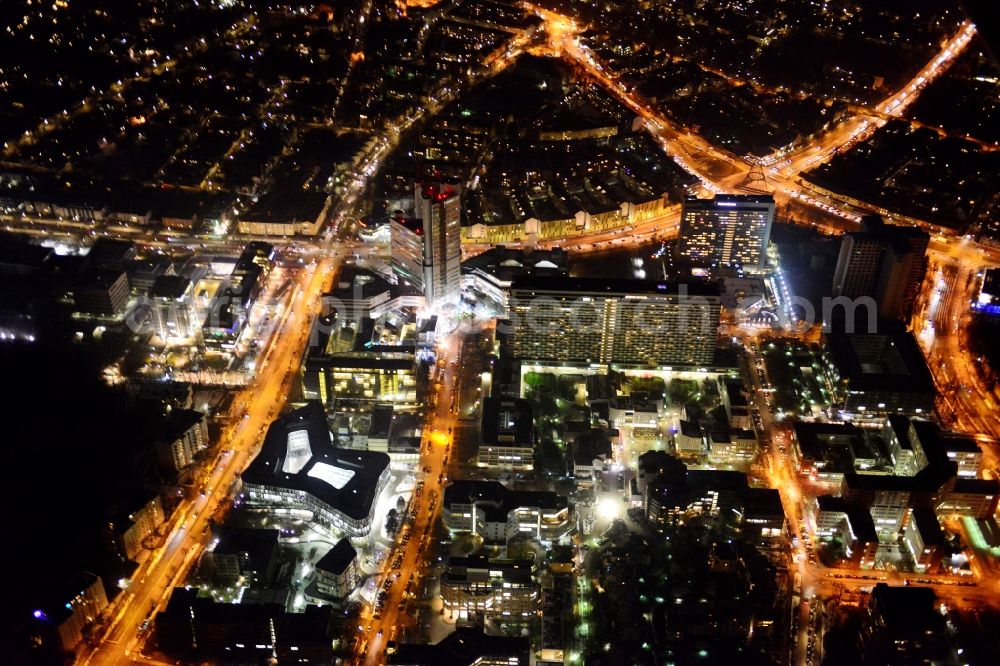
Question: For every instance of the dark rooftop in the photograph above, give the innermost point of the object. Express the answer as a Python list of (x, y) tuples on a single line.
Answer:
[(357, 494), (465, 646), (880, 361), (612, 286), (338, 558), (170, 286), (507, 422)]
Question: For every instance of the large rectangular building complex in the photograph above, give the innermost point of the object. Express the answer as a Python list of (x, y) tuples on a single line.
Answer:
[(627, 322)]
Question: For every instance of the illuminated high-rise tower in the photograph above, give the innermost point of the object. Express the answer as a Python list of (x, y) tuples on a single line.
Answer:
[(439, 206), (731, 230)]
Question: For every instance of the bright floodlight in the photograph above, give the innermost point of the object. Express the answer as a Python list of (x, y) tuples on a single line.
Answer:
[(609, 508)]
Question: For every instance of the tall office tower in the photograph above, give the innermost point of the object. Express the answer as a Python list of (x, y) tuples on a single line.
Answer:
[(731, 230), (884, 262), (407, 249), (439, 205), (857, 265), (631, 322)]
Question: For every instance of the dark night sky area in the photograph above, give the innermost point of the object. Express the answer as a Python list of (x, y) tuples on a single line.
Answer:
[(66, 445)]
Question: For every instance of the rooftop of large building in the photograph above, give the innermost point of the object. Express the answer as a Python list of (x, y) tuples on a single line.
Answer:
[(115, 251), (736, 392), (507, 422), (187, 611), (338, 558), (497, 500), (466, 646), (299, 454), (875, 226), (15, 252), (614, 287), (729, 200), (255, 548), (592, 445), (906, 609), (506, 263), (471, 567), (170, 287), (930, 479), (889, 360), (355, 282), (179, 422)]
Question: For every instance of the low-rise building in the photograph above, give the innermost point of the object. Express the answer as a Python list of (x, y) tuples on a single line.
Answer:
[(489, 509), (283, 214), (102, 293), (735, 398), (592, 453), (508, 435), (902, 625), (763, 515), (690, 440), (241, 557), (365, 346), (976, 498), (196, 629), (64, 618), (478, 587), (852, 525), (173, 307), (127, 531), (827, 451), (924, 539), (625, 411), (183, 435), (113, 253), (708, 493), (337, 573), (492, 272), (965, 451)]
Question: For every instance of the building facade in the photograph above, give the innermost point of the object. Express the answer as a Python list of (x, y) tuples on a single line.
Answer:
[(185, 434), (103, 293), (731, 230), (490, 510), (407, 249), (626, 322), (475, 586), (128, 531), (337, 572), (439, 206), (883, 262), (508, 435), (66, 617), (173, 308)]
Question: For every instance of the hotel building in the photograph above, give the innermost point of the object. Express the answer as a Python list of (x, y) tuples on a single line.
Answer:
[(731, 230)]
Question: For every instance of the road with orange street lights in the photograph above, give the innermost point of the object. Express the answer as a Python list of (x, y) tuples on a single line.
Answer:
[(375, 630), (720, 170), (133, 611)]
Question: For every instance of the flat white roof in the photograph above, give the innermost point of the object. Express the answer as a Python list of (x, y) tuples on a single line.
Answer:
[(298, 452), (331, 474)]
